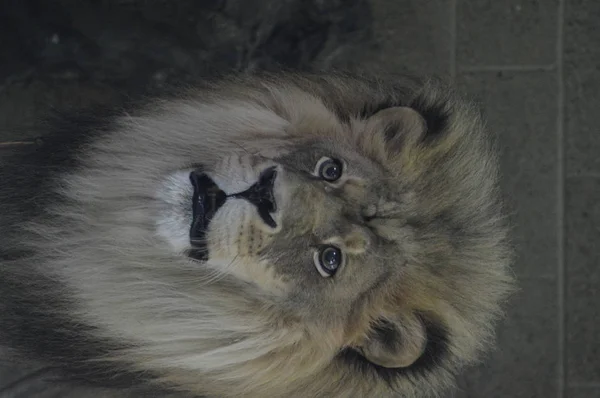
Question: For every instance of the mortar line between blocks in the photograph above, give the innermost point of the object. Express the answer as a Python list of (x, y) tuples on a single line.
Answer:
[(584, 385), (508, 68), (587, 174), (560, 203)]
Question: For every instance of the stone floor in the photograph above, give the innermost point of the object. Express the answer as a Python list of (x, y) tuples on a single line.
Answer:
[(533, 65)]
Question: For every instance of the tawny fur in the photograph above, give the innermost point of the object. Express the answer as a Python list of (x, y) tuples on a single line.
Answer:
[(434, 244)]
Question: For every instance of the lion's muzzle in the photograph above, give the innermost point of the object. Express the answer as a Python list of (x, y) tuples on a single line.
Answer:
[(208, 198)]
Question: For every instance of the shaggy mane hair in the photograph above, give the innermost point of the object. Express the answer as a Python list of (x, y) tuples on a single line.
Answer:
[(94, 284)]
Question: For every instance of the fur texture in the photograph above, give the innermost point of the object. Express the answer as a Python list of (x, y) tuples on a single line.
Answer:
[(95, 231)]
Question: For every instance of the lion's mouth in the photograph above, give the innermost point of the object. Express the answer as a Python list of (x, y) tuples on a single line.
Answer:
[(208, 198), (206, 201)]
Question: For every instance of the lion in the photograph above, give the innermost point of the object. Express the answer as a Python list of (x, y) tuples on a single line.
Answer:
[(263, 235)]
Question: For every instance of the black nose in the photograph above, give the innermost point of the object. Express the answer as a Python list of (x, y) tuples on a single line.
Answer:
[(261, 196)]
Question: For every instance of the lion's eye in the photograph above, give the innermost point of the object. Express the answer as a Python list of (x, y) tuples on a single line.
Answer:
[(328, 259), (329, 169)]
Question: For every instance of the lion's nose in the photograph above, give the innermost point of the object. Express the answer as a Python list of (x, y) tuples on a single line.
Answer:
[(261, 195)]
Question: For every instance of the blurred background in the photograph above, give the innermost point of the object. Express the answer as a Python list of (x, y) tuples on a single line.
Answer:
[(532, 65)]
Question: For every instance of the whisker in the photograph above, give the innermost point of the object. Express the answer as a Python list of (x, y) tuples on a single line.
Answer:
[(7, 144)]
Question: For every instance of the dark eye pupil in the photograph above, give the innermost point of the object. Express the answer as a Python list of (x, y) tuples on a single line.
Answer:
[(331, 170), (331, 257)]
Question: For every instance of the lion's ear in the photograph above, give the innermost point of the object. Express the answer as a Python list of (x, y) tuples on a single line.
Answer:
[(396, 343), (400, 125)]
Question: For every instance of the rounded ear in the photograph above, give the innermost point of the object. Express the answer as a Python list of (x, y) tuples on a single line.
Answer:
[(399, 125), (395, 343)]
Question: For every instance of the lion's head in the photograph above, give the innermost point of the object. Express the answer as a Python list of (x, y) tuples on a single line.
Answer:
[(293, 235)]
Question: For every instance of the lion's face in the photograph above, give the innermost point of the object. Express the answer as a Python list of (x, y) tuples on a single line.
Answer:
[(317, 223), (301, 225)]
